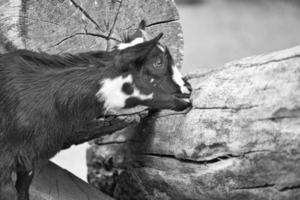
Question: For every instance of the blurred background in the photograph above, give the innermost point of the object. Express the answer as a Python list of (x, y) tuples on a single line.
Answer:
[(216, 32)]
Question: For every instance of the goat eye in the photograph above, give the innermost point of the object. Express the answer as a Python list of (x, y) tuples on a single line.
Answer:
[(157, 64)]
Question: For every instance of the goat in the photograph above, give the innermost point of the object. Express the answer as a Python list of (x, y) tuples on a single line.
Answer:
[(44, 98)]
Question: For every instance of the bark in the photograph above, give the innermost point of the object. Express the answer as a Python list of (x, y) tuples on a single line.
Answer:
[(71, 26), (240, 140)]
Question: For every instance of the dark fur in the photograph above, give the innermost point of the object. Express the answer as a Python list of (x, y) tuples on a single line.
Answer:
[(44, 98)]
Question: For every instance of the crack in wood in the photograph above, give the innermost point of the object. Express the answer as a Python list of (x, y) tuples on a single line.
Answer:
[(114, 23), (187, 160), (265, 63), (290, 187), (266, 185), (194, 75), (85, 13), (162, 22), (87, 33), (226, 108), (205, 161), (276, 119)]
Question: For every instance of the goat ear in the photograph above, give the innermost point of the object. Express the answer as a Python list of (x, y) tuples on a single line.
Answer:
[(142, 25), (135, 54)]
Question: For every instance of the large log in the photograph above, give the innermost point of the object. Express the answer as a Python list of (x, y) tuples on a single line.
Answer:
[(71, 26), (240, 140), (53, 182)]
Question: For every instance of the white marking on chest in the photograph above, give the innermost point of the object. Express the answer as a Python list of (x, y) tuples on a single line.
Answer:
[(178, 79), (130, 44), (112, 95)]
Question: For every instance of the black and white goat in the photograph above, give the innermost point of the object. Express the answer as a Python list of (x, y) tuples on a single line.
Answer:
[(44, 98)]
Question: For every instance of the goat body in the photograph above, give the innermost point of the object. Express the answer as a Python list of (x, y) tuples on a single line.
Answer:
[(43, 99)]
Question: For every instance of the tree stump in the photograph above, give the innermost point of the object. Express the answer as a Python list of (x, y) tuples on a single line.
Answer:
[(240, 140), (71, 26)]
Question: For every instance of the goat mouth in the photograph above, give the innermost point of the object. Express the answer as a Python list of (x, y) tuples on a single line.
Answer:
[(182, 96)]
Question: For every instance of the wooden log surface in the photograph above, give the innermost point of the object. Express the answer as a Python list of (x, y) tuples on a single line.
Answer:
[(53, 182), (240, 140), (71, 26)]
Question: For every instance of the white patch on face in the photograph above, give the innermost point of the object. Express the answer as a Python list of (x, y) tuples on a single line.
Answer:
[(130, 44), (177, 77), (112, 95)]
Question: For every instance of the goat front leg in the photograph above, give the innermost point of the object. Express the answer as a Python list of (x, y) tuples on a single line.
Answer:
[(24, 179)]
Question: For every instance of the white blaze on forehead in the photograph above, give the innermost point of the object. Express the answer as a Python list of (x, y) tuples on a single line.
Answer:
[(112, 95), (130, 44), (178, 79), (145, 37)]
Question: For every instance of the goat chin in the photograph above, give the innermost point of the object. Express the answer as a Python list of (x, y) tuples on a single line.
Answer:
[(181, 104), (127, 111), (169, 102)]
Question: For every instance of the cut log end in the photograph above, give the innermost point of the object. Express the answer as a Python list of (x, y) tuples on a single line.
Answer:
[(70, 26)]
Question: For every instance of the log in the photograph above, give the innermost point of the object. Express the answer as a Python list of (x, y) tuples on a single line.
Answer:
[(53, 182), (240, 140), (71, 26)]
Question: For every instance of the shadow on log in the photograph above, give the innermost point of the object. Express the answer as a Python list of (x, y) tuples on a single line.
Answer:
[(240, 140)]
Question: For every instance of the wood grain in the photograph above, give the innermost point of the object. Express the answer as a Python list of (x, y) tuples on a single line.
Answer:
[(60, 26)]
